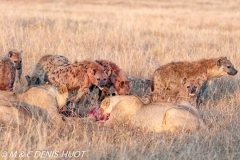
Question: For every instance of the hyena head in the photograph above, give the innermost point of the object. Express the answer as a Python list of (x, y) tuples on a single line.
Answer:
[(99, 76), (122, 87), (226, 66), (191, 87), (16, 58)]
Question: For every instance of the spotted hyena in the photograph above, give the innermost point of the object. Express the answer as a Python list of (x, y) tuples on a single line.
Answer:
[(16, 58), (117, 79), (40, 71), (190, 90), (169, 76), (80, 76), (10, 66)]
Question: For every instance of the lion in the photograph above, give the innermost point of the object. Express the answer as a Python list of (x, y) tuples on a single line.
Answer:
[(169, 76), (154, 117), (80, 76), (41, 70), (45, 97), (14, 115)]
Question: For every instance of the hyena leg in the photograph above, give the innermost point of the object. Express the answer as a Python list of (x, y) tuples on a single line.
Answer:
[(200, 96), (103, 93), (81, 92)]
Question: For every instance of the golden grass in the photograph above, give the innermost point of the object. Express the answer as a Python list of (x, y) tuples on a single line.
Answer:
[(139, 36)]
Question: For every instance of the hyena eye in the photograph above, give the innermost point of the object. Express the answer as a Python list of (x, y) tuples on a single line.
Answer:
[(195, 86), (188, 86), (228, 66), (104, 79), (98, 79), (15, 61)]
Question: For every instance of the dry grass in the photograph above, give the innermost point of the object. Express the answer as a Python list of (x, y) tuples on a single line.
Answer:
[(139, 36)]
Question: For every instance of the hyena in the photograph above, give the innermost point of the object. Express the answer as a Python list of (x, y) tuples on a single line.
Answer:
[(80, 76), (190, 90), (169, 76), (47, 63), (10, 67), (117, 79)]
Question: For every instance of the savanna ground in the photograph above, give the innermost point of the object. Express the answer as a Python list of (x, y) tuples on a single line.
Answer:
[(139, 36)]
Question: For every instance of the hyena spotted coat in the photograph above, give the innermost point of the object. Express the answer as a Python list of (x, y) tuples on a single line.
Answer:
[(40, 71), (169, 76), (10, 66), (117, 79), (80, 76), (189, 90)]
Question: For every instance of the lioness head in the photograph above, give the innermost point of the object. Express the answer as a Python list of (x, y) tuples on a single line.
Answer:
[(105, 107)]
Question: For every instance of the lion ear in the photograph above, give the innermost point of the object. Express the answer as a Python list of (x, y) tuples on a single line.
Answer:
[(105, 103), (219, 62), (62, 88)]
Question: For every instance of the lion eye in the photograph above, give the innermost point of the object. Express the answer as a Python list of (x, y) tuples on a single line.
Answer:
[(188, 86), (104, 79), (98, 79), (15, 61)]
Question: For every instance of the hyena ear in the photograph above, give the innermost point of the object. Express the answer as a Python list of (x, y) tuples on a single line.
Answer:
[(10, 53), (108, 71), (184, 81), (200, 81), (219, 62), (121, 84), (99, 62), (94, 71)]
